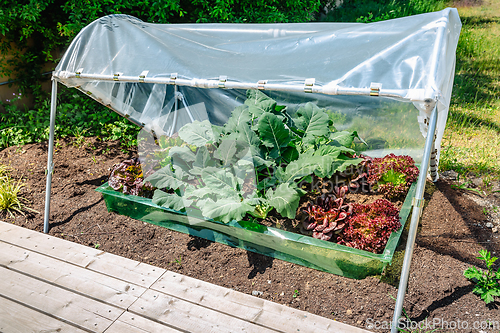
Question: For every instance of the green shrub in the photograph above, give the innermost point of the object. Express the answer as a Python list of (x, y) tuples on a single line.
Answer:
[(77, 115), (42, 28)]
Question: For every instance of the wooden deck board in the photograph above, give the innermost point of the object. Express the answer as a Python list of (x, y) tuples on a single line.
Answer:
[(244, 306), (16, 318), (84, 281), (83, 256), (52, 285), (48, 299), (185, 316)]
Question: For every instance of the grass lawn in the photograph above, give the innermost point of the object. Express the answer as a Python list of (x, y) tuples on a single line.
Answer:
[(471, 143)]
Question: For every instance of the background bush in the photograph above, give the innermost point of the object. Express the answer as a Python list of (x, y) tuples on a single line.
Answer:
[(41, 28)]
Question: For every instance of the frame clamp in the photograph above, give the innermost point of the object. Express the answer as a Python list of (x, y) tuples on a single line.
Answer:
[(222, 81), (78, 72), (308, 85), (143, 76), (375, 89), (173, 77)]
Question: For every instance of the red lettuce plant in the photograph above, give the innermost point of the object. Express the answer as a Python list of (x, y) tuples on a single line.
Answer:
[(355, 177), (370, 226), (127, 177), (392, 175), (328, 216)]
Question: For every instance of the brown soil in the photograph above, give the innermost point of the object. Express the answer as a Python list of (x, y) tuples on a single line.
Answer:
[(452, 232)]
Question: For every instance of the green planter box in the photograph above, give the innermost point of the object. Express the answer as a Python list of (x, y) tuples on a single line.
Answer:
[(273, 242)]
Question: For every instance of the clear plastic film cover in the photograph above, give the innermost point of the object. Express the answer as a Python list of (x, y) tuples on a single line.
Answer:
[(381, 79)]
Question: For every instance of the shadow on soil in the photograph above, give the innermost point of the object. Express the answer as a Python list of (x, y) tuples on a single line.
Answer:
[(76, 212), (259, 262), (445, 301)]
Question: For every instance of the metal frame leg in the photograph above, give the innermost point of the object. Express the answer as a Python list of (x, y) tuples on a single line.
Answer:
[(418, 201), (50, 164)]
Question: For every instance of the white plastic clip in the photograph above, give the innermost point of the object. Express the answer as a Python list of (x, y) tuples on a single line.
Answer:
[(78, 72), (173, 77), (143, 76), (222, 81), (261, 84), (308, 85), (115, 76), (375, 89)]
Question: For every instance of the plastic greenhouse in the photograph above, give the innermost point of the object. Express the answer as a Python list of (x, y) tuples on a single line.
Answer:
[(390, 81)]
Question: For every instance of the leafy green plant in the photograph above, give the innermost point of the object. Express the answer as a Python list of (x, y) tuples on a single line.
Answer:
[(77, 116), (10, 199), (296, 293), (252, 164), (487, 283)]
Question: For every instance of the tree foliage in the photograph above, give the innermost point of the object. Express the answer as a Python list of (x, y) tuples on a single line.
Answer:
[(34, 32)]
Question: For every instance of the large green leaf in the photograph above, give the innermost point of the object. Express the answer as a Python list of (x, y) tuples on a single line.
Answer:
[(166, 178), (284, 199), (343, 138), (225, 210), (296, 170), (258, 103), (182, 157), (197, 133), (313, 121), (343, 162), (195, 193), (172, 201), (239, 116), (226, 151), (203, 158), (289, 154), (219, 179), (273, 134), (248, 136)]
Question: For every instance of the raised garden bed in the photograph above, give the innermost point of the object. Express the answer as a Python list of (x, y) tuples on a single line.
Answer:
[(273, 242)]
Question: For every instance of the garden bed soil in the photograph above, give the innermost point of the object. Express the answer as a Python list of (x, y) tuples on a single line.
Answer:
[(452, 232)]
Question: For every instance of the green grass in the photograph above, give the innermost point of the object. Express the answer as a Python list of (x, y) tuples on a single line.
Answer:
[(472, 136)]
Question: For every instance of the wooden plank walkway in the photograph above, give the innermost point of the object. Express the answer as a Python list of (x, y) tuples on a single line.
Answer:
[(48, 284)]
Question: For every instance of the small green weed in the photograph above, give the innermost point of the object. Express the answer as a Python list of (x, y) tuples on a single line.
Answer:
[(464, 186), (178, 261), (296, 293), (487, 285)]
